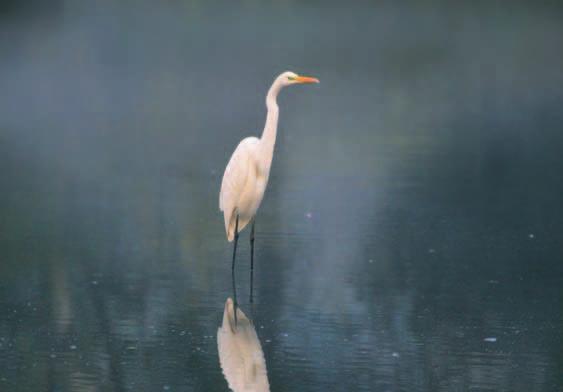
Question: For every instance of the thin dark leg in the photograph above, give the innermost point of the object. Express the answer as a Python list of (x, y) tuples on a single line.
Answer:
[(234, 294), (251, 260), (235, 246), (233, 269)]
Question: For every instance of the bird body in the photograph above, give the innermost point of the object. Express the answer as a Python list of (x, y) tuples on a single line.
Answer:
[(248, 170), (244, 184)]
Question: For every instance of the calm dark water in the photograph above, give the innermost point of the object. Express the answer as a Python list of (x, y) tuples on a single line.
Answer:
[(410, 238)]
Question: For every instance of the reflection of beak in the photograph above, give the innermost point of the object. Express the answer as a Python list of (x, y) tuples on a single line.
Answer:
[(306, 79)]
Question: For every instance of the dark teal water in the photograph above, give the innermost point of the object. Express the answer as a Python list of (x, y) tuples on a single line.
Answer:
[(410, 237)]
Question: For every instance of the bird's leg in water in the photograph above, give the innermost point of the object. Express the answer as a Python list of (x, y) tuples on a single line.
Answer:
[(233, 269), (234, 294), (251, 259)]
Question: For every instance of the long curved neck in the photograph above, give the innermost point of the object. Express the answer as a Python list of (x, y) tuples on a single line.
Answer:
[(268, 139)]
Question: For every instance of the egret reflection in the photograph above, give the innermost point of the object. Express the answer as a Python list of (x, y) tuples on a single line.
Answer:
[(240, 353)]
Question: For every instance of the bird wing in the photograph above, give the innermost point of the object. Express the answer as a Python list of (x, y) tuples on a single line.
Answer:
[(235, 177)]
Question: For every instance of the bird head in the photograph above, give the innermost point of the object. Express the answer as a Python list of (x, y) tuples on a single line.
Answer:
[(287, 78)]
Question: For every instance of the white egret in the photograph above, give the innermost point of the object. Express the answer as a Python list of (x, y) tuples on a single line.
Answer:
[(247, 172)]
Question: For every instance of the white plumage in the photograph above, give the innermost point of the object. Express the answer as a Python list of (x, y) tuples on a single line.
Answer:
[(243, 186), (247, 172)]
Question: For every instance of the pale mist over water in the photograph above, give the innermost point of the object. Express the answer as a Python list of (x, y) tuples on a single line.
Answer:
[(410, 237)]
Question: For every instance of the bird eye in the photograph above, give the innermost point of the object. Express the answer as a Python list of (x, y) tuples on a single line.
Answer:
[(290, 78)]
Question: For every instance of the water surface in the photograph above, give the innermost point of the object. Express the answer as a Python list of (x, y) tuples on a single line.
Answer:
[(410, 237)]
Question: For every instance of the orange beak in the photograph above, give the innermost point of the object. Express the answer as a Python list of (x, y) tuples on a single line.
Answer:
[(306, 79)]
